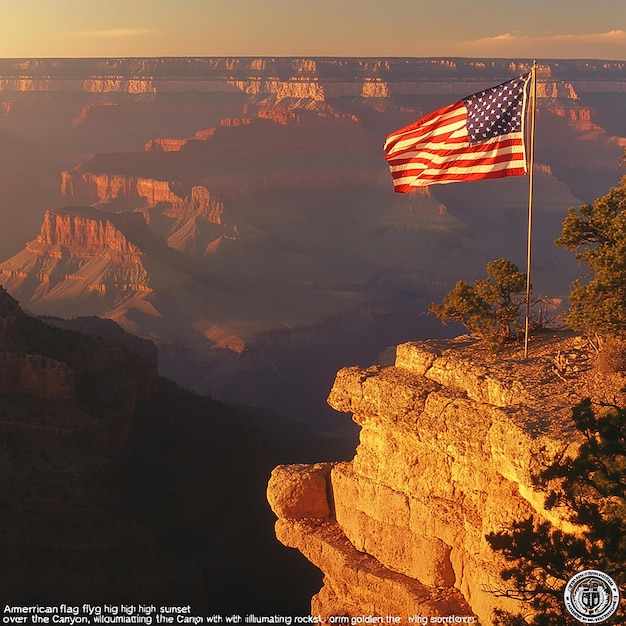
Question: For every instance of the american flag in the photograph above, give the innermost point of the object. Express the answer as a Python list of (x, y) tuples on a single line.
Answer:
[(482, 136)]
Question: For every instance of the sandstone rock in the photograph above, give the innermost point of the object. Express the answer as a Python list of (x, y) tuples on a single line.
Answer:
[(81, 251), (36, 375), (450, 440), (89, 229), (104, 187), (299, 491), (356, 584)]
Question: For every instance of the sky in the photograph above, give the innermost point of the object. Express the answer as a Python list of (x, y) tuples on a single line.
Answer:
[(382, 28)]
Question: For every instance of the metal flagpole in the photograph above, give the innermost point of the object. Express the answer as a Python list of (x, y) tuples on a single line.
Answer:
[(531, 159)]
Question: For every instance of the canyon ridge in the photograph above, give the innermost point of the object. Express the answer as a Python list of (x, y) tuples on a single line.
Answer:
[(238, 211)]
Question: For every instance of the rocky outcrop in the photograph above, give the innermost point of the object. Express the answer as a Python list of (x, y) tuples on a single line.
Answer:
[(38, 361), (190, 220), (165, 144), (554, 89), (196, 224), (81, 251), (299, 88), (581, 120), (199, 201), (307, 112), (104, 187), (450, 439), (304, 112), (91, 229), (37, 375), (118, 84)]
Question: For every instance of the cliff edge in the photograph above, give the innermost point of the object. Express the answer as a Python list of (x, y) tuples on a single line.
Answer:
[(450, 438)]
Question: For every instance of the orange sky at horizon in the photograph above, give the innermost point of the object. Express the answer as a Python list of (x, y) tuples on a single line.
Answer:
[(490, 28)]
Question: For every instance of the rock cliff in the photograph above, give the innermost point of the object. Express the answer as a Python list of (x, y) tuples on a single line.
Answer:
[(449, 441), (23, 373), (315, 78), (81, 251), (42, 362), (190, 220), (105, 187)]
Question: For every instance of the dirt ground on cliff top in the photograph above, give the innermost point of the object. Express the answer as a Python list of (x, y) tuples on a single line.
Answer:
[(561, 365)]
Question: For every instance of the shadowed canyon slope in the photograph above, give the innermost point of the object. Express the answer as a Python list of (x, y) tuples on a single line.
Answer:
[(119, 487), (239, 212)]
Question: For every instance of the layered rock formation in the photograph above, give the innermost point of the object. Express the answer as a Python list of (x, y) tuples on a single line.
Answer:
[(188, 219), (81, 252), (106, 187), (316, 78), (450, 439), (26, 373), (41, 363)]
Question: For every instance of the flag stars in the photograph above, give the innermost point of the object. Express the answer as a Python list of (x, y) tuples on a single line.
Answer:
[(496, 111)]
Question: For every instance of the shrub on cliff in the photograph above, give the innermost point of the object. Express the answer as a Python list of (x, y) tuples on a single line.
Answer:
[(490, 308), (591, 487), (597, 234)]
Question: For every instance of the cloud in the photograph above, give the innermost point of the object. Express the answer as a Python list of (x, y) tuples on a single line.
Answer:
[(113, 33), (611, 44)]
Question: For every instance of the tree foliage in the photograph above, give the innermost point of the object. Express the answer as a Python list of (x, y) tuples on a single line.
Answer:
[(590, 486), (489, 308), (597, 234)]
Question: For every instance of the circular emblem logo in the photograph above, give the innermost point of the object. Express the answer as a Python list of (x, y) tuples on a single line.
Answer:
[(591, 596)]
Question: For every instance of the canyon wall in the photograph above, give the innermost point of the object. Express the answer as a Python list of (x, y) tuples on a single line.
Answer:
[(38, 362), (88, 229), (190, 220), (81, 251), (449, 441), (313, 88), (314, 78), (117, 487), (34, 374), (105, 187)]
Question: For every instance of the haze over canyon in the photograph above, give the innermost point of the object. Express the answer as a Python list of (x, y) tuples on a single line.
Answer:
[(238, 211)]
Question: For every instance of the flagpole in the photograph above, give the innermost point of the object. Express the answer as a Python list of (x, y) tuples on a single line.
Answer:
[(531, 159)]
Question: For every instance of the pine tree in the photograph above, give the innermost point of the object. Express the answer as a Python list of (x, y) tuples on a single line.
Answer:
[(597, 234), (490, 308), (592, 487)]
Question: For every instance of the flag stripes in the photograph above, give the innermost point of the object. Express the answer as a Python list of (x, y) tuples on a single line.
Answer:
[(439, 148)]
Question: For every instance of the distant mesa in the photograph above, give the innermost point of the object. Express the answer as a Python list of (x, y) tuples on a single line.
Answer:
[(81, 253), (314, 78)]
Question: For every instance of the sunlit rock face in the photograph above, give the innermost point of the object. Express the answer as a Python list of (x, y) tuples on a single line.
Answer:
[(450, 439), (107, 187), (89, 228), (81, 252), (296, 77)]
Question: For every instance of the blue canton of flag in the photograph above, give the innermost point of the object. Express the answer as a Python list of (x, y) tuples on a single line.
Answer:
[(495, 111)]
